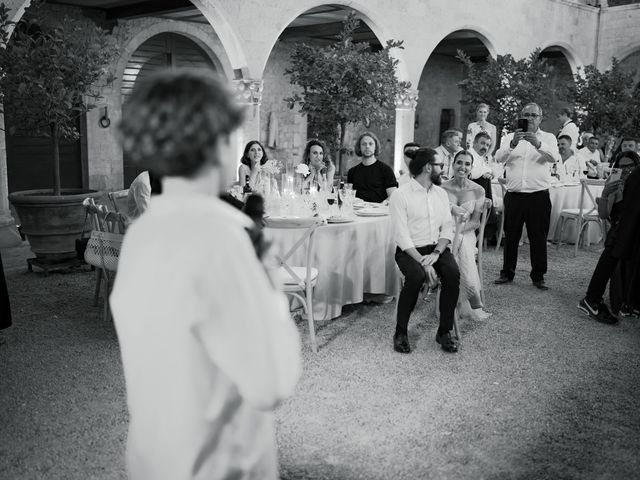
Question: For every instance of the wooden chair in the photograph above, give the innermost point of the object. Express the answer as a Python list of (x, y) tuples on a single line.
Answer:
[(486, 210), (582, 215), (119, 201), (298, 282), (104, 221), (502, 181)]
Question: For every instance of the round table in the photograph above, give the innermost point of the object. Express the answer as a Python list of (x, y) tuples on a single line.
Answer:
[(562, 196), (352, 259)]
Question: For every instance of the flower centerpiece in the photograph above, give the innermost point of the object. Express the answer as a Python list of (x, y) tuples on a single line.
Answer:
[(302, 170)]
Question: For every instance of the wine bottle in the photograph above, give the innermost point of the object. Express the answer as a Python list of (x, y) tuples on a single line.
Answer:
[(247, 188)]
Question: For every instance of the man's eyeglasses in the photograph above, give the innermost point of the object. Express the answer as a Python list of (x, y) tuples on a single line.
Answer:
[(441, 165), (530, 115)]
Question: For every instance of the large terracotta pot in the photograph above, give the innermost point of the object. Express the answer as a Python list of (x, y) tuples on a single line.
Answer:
[(52, 223)]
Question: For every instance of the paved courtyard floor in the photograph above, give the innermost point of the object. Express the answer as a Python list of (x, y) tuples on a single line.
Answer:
[(538, 391)]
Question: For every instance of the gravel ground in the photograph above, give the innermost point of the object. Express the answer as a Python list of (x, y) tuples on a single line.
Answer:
[(537, 391)]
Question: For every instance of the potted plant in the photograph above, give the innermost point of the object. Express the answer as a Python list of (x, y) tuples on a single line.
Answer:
[(50, 69)]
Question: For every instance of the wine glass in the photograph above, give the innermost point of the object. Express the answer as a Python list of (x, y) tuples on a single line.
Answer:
[(331, 200)]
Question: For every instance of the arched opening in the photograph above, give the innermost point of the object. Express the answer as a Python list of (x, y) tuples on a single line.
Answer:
[(561, 75), (631, 63), (439, 106), (319, 25), (165, 50)]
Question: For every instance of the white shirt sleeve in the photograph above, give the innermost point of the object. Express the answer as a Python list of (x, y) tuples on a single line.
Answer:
[(398, 210), (248, 333), (505, 149)]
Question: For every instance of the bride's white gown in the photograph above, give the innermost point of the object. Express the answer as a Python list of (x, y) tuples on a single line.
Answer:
[(464, 252)]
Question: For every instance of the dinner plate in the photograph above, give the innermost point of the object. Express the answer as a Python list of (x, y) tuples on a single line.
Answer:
[(372, 212), (339, 220)]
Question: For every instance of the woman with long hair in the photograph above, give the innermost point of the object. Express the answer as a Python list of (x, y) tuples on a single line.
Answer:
[(481, 125), (316, 155), (467, 201), (253, 158)]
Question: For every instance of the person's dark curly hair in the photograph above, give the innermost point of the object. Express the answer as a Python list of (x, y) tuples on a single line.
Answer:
[(633, 156), (245, 155), (172, 122), (371, 135), (326, 157)]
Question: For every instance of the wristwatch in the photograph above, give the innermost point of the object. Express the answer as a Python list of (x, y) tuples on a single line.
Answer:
[(437, 251)]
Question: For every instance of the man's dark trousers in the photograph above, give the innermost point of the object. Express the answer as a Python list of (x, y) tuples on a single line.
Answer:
[(534, 211), (414, 276)]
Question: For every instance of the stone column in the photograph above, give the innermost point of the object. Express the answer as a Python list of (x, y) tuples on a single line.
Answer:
[(8, 232), (405, 119), (248, 93)]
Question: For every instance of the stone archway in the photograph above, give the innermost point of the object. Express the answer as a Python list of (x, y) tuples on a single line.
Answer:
[(319, 24), (439, 106), (161, 51), (563, 68)]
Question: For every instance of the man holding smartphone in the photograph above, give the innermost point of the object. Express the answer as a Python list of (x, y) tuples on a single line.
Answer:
[(527, 154)]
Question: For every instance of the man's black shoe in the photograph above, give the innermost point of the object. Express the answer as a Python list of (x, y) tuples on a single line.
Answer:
[(401, 343), (502, 279), (447, 342), (605, 316), (540, 285)]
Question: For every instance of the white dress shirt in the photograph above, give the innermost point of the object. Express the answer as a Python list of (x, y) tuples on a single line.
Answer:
[(589, 157), (480, 165), (572, 167), (208, 347), (527, 168), (447, 159), (475, 128), (139, 195), (571, 130), (420, 216)]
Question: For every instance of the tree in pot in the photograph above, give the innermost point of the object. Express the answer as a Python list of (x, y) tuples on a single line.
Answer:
[(345, 83), (50, 73)]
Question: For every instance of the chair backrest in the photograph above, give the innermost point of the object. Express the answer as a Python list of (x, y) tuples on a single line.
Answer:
[(586, 193), (119, 201), (486, 210), (307, 226)]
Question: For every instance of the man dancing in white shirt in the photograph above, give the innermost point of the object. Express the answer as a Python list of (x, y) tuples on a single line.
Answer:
[(424, 229), (526, 155)]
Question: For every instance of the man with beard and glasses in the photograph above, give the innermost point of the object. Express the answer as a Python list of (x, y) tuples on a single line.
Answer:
[(527, 155), (423, 231), (373, 180)]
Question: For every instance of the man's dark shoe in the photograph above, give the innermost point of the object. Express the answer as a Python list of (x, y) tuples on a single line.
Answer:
[(401, 343), (502, 279), (447, 342), (539, 284), (605, 315)]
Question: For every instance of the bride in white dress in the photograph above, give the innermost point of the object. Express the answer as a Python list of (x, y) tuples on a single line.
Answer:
[(467, 200)]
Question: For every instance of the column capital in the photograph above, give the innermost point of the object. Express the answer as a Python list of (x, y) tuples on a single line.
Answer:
[(407, 99), (248, 91)]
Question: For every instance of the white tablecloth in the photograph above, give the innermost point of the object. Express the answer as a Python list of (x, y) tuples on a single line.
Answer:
[(352, 259), (562, 196)]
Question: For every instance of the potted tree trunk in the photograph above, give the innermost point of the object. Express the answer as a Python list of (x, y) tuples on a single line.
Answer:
[(50, 73)]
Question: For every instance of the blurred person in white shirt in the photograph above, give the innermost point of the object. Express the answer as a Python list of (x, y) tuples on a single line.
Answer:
[(592, 156), (139, 195), (449, 146), (208, 347), (571, 166), (569, 127), (408, 151)]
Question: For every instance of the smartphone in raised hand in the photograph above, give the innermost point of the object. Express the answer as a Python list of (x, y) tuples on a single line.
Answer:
[(523, 124)]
